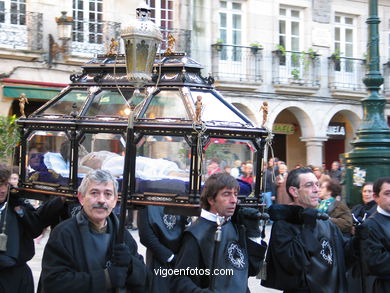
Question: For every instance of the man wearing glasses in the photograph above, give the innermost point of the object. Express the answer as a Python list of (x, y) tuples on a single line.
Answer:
[(305, 254)]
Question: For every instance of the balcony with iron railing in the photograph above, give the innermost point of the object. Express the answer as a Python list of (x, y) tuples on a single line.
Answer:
[(232, 65), (21, 30), (346, 76), (92, 38), (295, 71)]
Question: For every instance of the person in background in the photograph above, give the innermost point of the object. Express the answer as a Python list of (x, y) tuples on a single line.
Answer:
[(368, 207), (335, 172), (242, 168), (357, 275), (227, 169), (236, 170), (248, 173), (320, 175), (161, 234), (281, 194), (337, 210), (324, 169), (22, 225), (213, 167), (14, 178), (377, 245), (269, 183)]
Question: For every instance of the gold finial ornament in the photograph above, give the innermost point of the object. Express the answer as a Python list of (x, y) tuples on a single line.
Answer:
[(113, 50), (22, 102), (171, 44), (264, 108), (198, 109)]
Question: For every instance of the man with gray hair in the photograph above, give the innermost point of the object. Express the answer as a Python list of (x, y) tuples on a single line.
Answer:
[(82, 255)]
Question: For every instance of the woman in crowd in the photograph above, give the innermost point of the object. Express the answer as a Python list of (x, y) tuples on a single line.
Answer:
[(337, 210)]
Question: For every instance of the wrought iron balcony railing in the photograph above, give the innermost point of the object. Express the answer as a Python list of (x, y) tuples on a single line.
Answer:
[(92, 38), (21, 30), (346, 73), (296, 68), (236, 63)]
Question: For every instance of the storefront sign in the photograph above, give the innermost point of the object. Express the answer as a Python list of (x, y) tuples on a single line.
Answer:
[(336, 129), (283, 128)]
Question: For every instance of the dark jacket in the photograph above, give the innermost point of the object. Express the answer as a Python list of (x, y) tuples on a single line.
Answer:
[(299, 257), (68, 266), (366, 210), (196, 254), (377, 251), (21, 229)]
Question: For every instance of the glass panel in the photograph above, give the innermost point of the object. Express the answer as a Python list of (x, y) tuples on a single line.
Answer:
[(282, 11), (282, 26), (295, 44), (166, 104), (236, 21), (295, 28), (295, 13), (337, 34), (337, 19), (108, 103), (223, 4), (214, 109), (349, 20), (348, 50), (222, 20), (163, 157), (228, 155), (236, 38), (102, 151), (236, 6), (64, 105), (47, 157), (349, 35)]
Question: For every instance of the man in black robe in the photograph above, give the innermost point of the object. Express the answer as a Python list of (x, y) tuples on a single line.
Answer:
[(238, 254), (305, 254), (377, 245), (161, 234), (22, 225), (82, 255)]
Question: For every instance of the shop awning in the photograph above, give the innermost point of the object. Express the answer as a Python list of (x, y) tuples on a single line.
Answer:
[(35, 93)]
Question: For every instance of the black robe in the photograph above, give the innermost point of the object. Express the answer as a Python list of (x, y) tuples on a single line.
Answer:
[(15, 275), (196, 259), (161, 234), (377, 248), (308, 259), (361, 209), (68, 266)]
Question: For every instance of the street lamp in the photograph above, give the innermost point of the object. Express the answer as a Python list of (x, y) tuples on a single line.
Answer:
[(142, 39), (370, 155), (64, 30)]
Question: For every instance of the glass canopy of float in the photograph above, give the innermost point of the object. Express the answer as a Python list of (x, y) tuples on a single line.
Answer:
[(84, 128)]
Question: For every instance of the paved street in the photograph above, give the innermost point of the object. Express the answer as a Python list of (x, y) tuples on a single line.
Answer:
[(35, 263)]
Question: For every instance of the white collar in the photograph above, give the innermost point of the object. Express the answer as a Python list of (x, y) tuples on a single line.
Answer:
[(382, 211), (209, 216)]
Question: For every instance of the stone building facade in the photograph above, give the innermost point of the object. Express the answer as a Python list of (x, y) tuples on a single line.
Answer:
[(306, 58)]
